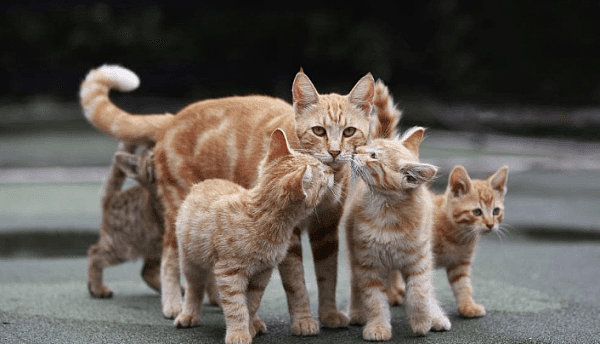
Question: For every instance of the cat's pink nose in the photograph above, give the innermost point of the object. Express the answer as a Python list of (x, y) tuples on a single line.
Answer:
[(334, 153), (489, 225)]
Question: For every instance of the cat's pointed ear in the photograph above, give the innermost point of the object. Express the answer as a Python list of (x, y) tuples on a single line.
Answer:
[(304, 93), (412, 139), (459, 182), (419, 173), (499, 179), (128, 163), (278, 146), (362, 94)]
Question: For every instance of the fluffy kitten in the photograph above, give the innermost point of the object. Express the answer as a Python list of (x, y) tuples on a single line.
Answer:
[(227, 138), (132, 221), (388, 227), (467, 210), (242, 235)]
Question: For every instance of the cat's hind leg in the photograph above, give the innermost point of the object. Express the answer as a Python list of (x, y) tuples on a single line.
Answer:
[(196, 278), (395, 288), (100, 255)]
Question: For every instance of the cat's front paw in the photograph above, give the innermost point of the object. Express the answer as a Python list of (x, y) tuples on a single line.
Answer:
[(334, 318), (420, 327), (441, 323), (377, 332), (356, 316), (257, 326), (100, 291), (471, 310), (305, 326), (238, 337), (171, 310), (186, 320)]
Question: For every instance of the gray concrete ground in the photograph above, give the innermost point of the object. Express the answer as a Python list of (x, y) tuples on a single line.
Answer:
[(540, 283)]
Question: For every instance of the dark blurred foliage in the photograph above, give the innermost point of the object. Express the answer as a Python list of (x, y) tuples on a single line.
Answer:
[(540, 52)]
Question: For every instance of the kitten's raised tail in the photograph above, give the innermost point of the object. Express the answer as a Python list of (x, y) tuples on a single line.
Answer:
[(388, 115), (106, 116)]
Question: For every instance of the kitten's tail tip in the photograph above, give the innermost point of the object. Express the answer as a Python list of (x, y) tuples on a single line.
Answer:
[(120, 78)]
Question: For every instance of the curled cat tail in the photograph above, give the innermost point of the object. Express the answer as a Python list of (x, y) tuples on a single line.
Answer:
[(388, 115), (106, 116)]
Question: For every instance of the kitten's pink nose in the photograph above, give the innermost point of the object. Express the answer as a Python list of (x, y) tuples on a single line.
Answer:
[(489, 225), (334, 153)]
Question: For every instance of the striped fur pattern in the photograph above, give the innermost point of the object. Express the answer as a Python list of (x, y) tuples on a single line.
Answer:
[(226, 138), (132, 221), (388, 228), (385, 123), (244, 234), (467, 210)]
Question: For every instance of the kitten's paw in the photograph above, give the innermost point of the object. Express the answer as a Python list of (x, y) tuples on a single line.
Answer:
[(305, 326), (101, 291), (471, 310), (441, 323), (257, 326), (356, 316), (334, 318), (420, 327), (238, 337), (377, 332), (186, 320), (171, 310)]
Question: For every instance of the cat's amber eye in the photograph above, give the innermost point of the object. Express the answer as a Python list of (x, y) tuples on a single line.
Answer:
[(349, 131), (319, 131), (477, 212), (496, 211)]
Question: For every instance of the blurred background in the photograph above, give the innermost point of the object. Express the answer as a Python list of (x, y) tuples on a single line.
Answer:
[(495, 82)]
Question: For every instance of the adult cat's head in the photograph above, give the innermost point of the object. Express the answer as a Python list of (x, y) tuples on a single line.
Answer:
[(331, 126)]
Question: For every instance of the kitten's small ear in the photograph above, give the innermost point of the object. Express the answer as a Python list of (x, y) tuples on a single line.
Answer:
[(459, 182), (128, 163), (412, 139), (362, 94), (278, 145), (304, 93), (420, 173), (499, 179)]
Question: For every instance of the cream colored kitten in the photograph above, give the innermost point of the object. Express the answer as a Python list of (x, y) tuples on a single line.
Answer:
[(388, 227), (467, 210), (242, 235)]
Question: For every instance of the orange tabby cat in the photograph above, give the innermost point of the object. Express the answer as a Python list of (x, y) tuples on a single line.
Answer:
[(388, 227), (467, 210), (132, 221), (226, 138), (242, 235)]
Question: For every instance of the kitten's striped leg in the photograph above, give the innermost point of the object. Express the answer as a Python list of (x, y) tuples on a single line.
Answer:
[(325, 248), (375, 304), (292, 278), (395, 288), (98, 258), (256, 288), (459, 277), (196, 278), (232, 284)]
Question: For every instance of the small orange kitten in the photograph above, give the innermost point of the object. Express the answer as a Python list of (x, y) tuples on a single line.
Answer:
[(467, 210), (132, 220), (388, 227), (242, 235)]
